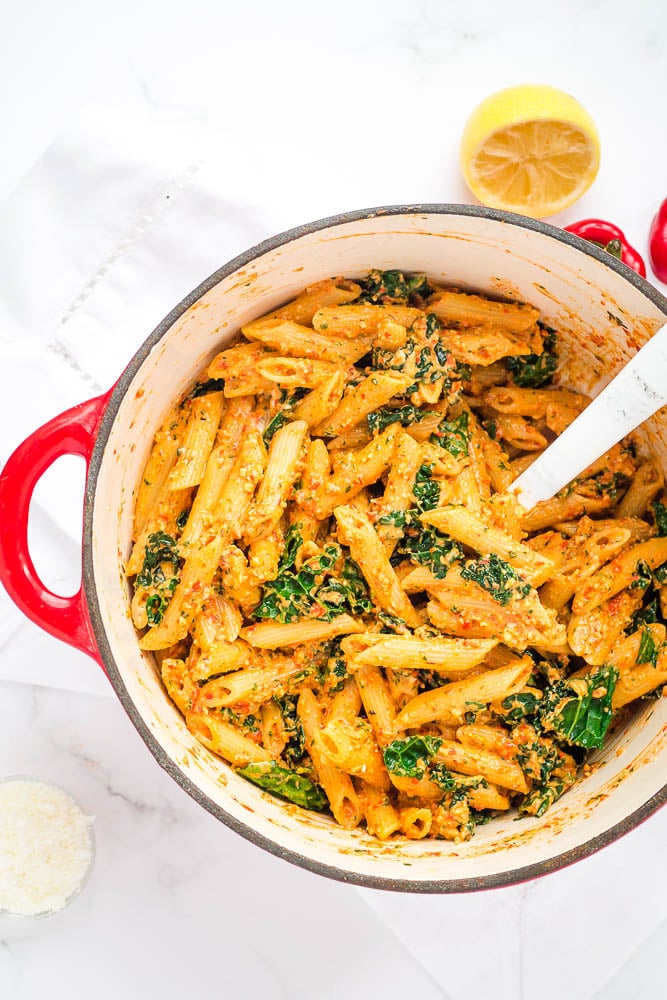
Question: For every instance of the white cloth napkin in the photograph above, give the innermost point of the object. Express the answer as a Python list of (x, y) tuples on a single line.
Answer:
[(115, 224), (111, 228)]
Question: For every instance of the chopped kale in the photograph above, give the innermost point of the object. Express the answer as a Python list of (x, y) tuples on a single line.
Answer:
[(660, 515), (579, 711), (392, 286), (157, 604), (423, 544), (282, 416), (204, 388), (293, 542), (642, 577), (332, 672), (519, 706), (646, 615), (535, 370), (496, 577), (391, 623), (536, 802), (160, 551), (326, 585), (274, 425), (648, 649), (295, 747), (426, 490), (429, 547), (433, 324), (182, 519), (286, 784), (404, 415), (538, 759), (473, 710), (409, 757), (449, 781), (160, 548), (399, 518), (428, 363), (453, 435)]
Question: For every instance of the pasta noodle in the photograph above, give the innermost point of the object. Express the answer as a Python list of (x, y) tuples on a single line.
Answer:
[(344, 600)]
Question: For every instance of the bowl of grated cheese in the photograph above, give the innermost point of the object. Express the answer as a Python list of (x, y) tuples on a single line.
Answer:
[(47, 847)]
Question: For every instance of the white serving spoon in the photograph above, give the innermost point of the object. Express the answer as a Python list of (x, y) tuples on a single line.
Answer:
[(634, 395)]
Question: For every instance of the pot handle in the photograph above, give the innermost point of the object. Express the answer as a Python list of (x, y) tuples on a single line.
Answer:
[(71, 433)]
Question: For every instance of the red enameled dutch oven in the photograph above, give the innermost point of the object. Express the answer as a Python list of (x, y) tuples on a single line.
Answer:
[(603, 311)]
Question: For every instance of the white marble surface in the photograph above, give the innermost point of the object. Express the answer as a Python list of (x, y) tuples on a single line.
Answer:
[(144, 146)]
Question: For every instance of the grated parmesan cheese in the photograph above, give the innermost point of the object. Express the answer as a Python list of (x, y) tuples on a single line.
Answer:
[(45, 847)]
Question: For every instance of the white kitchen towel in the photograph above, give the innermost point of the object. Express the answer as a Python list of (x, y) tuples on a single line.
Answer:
[(111, 228)]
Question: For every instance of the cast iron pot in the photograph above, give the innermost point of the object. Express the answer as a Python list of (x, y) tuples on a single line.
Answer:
[(603, 311)]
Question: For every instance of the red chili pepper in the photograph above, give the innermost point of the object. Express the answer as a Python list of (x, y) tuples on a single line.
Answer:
[(608, 236), (657, 243)]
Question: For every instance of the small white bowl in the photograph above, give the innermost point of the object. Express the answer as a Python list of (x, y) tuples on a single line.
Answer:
[(25, 778)]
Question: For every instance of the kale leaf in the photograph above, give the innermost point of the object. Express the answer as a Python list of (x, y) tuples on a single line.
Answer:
[(646, 615), (392, 623), (449, 781), (404, 415), (496, 577), (392, 286), (204, 388), (293, 542), (160, 550), (660, 515), (282, 416), (428, 362), (579, 712), (453, 435), (535, 370), (409, 757), (326, 585), (426, 490), (537, 801), (519, 706), (286, 784), (295, 747), (429, 547), (648, 649)]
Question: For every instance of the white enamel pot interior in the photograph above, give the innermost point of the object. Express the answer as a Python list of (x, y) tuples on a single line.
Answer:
[(603, 312)]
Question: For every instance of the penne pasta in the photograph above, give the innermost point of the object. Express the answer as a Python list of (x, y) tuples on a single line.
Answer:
[(459, 524), (449, 657), (362, 320), (274, 635), (329, 292), (472, 310), (367, 550), (370, 394), (283, 466), (300, 341), (224, 740), (626, 570), (338, 786), (452, 701), (342, 597)]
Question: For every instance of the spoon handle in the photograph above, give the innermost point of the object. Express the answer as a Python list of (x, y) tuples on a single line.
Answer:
[(634, 395)]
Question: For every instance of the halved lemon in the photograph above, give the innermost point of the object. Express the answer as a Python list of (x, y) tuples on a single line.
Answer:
[(530, 149)]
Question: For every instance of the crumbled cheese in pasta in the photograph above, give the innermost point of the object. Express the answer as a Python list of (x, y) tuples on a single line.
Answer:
[(45, 847)]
